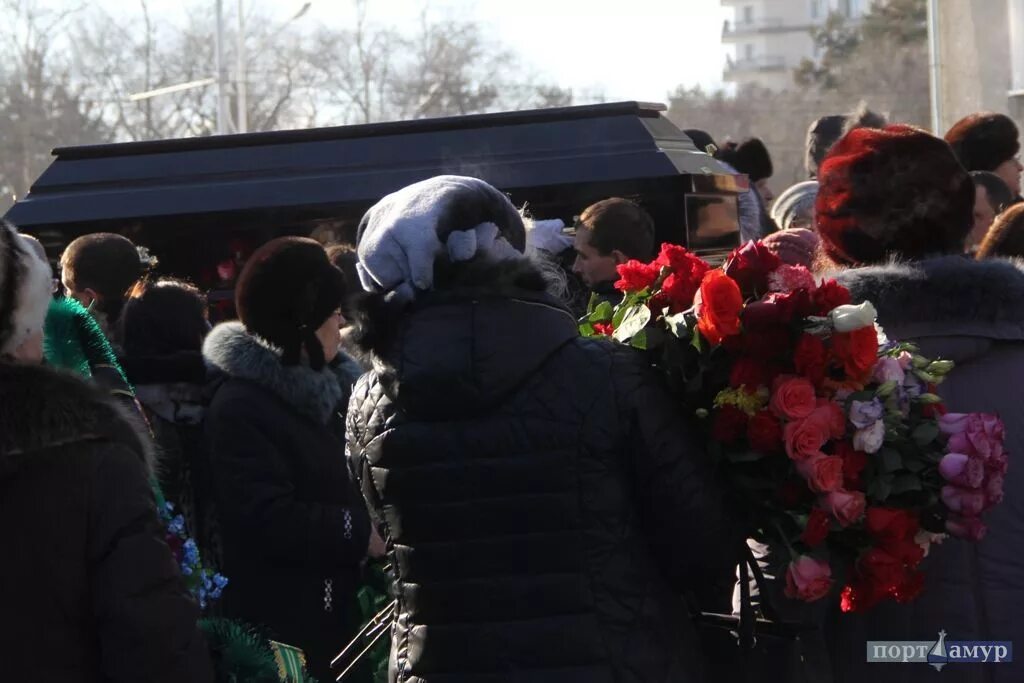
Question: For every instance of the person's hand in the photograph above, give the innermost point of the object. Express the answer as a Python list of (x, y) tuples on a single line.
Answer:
[(377, 548), (794, 247)]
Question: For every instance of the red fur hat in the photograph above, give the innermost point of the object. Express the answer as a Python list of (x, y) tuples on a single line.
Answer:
[(892, 191)]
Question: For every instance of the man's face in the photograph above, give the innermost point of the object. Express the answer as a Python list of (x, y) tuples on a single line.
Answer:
[(593, 267)]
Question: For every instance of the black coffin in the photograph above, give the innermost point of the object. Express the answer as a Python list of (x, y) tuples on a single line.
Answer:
[(187, 199)]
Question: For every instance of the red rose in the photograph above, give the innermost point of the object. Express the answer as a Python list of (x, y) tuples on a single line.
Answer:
[(760, 315), (854, 462), (810, 358), (804, 438), (859, 596), (607, 329), (793, 398), (881, 569), (770, 344), (823, 473), (635, 276), (888, 524), (792, 305), (747, 372), (816, 531), (721, 303), (830, 294), (845, 506), (765, 432), (730, 424), (750, 265), (906, 551), (680, 291), (681, 261), (857, 351)]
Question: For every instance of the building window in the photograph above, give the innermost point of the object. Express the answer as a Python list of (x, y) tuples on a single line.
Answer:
[(748, 51), (815, 9), (748, 15)]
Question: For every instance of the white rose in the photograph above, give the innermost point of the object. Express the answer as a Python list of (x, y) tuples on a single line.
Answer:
[(849, 318), (869, 439)]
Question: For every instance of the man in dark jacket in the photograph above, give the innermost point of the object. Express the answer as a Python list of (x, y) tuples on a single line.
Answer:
[(544, 507), (294, 529), (89, 590)]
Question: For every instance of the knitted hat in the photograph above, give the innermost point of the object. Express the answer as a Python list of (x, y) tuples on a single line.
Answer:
[(286, 291), (896, 190), (984, 141), (795, 202), (750, 157), (26, 287), (402, 235)]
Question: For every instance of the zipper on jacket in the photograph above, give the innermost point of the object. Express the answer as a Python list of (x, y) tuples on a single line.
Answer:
[(328, 595)]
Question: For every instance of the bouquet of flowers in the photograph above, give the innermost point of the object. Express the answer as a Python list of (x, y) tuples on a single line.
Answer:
[(832, 433), (205, 585)]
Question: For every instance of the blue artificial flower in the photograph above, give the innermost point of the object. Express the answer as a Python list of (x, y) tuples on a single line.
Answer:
[(177, 526), (191, 553)]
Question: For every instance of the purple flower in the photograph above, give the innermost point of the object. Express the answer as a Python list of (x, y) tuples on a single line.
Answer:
[(865, 413), (971, 528), (968, 502), (959, 469)]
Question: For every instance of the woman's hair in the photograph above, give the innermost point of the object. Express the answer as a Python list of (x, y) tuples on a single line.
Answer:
[(1006, 236), (162, 317), (107, 263)]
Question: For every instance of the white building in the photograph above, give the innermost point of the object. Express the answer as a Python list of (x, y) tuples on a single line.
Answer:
[(767, 39)]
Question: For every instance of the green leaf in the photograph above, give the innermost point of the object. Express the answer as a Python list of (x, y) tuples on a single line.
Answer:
[(904, 483), (914, 464), (587, 329), (603, 312), (882, 487), (697, 342), (925, 433), (639, 340), (634, 320), (891, 460)]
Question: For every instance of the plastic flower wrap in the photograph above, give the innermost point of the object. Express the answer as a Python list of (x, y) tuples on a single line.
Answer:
[(832, 433), (205, 585)]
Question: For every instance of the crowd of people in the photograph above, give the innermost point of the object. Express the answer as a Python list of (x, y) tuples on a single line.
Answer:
[(423, 398)]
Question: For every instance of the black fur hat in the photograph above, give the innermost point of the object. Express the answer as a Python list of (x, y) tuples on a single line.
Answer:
[(750, 157), (286, 291)]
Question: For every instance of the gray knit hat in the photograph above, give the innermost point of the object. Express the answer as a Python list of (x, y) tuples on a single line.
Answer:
[(798, 200)]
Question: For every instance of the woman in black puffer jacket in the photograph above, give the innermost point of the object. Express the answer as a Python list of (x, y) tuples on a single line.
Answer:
[(544, 507)]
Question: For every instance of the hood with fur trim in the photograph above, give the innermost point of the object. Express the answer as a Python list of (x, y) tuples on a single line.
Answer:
[(953, 297), (42, 408), (233, 351)]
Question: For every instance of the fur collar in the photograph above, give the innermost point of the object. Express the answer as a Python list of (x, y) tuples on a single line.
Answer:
[(944, 296), (42, 408), (232, 350)]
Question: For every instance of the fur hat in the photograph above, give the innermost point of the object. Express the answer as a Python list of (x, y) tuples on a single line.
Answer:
[(286, 291), (826, 131), (984, 141), (701, 140), (403, 234), (898, 191), (26, 287), (750, 157)]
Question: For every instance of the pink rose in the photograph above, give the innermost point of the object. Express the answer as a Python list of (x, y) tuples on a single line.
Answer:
[(969, 502), (808, 579), (823, 473), (970, 528), (846, 506), (888, 370), (832, 413), (994, 490), (953, 423), (804, 438), (787, 278), (959, 469), (998, 464), (793, 398)]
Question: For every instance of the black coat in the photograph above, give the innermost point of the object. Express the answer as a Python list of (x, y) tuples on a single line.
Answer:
[(544, 506), (294, 529), (89, 589)]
